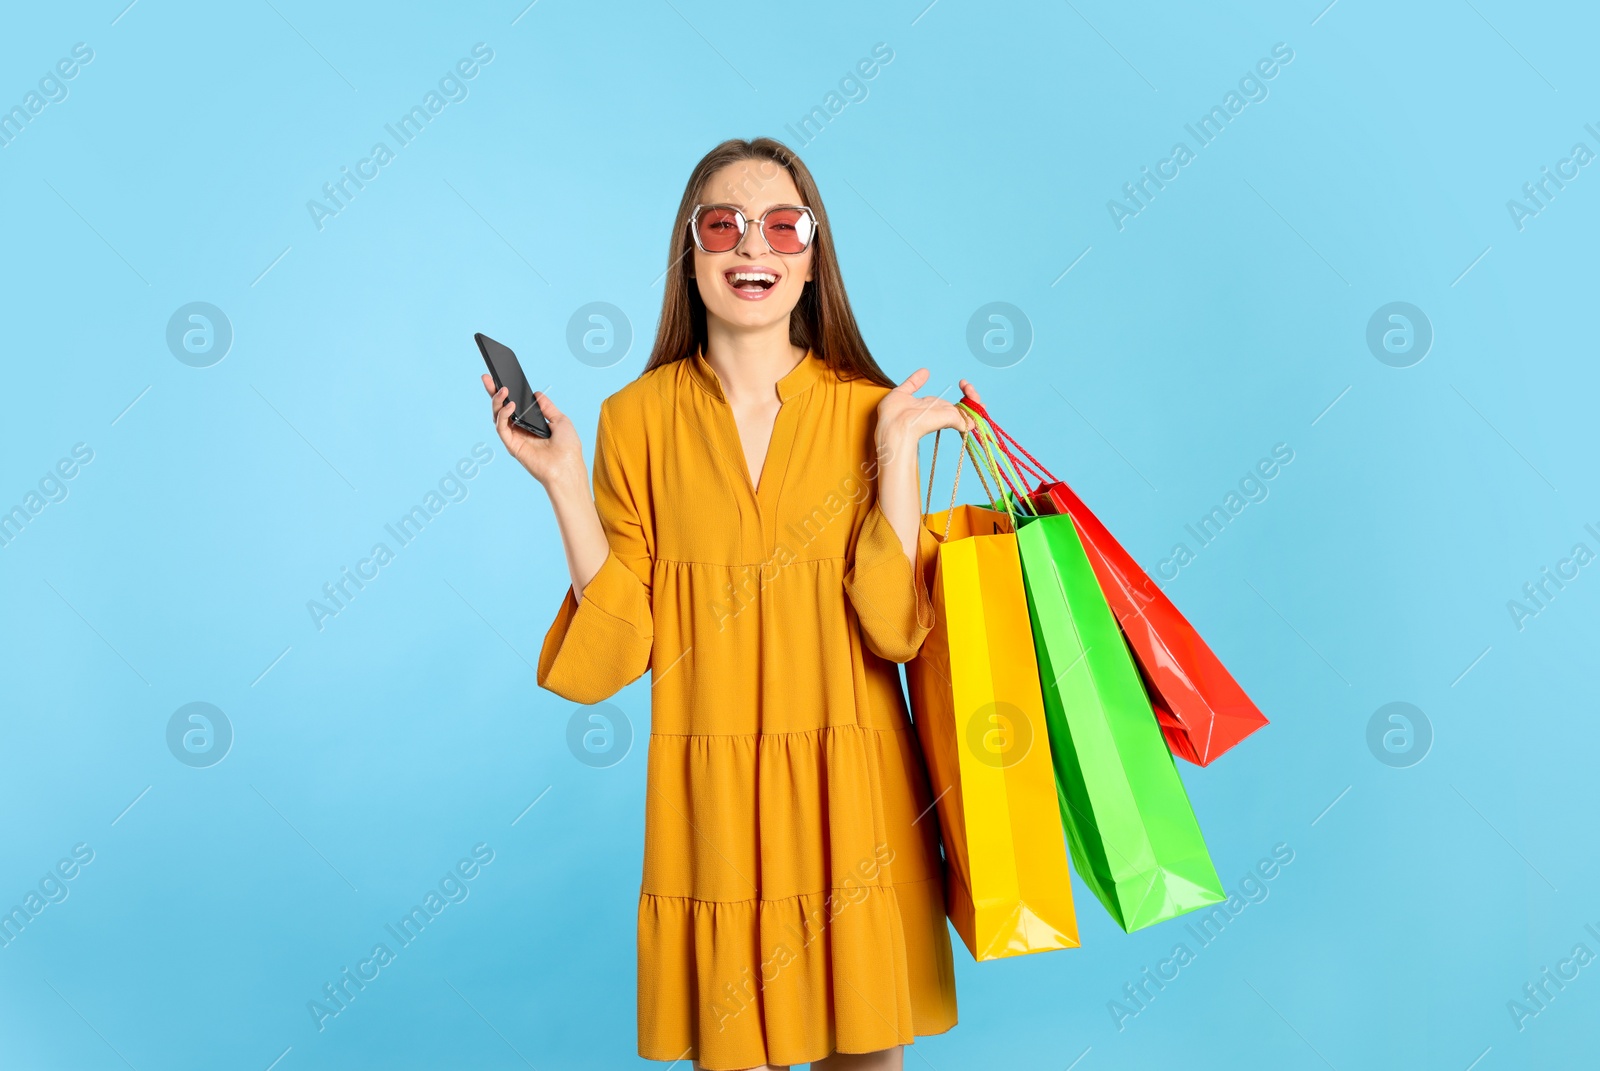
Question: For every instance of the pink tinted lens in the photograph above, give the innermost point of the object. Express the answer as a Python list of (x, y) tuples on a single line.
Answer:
[(788, 230), (718, 229)]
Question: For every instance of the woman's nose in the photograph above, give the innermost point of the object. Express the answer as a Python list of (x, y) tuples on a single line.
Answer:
[(752, 244)]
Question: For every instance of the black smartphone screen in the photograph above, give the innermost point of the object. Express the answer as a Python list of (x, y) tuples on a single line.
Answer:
[(507, 372)]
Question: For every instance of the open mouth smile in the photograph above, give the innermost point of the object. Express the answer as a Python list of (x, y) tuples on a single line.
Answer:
[(752, 284)]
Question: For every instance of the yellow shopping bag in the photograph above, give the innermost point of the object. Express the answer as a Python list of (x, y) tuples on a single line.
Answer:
[(979, 715)]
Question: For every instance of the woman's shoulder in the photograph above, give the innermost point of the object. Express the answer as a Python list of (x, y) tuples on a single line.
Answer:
[(644, 397), (863, 393)]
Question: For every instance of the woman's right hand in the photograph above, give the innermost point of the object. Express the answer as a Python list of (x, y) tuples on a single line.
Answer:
[(556, 461)]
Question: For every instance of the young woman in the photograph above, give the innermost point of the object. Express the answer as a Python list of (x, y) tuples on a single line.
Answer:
[(754, 539)]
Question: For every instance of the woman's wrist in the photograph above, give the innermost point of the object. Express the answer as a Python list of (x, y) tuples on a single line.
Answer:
[(895, 442), (567, 486)]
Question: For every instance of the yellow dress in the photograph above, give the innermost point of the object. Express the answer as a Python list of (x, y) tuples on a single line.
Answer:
[(792, 899)]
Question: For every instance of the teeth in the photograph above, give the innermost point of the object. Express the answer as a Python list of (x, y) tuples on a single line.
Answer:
[(754, 277)]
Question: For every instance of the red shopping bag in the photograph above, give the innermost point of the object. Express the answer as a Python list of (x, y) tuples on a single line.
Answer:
[(1202, 710)]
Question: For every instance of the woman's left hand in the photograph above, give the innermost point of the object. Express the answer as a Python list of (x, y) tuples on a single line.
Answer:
[(904, 418)]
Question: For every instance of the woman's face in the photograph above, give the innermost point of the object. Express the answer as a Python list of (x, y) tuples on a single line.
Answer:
[(724, 279)]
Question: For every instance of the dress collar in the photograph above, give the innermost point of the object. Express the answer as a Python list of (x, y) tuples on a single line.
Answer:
[(796, 381)]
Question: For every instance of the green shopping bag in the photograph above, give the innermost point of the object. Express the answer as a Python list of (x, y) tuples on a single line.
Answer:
[(1130, 827)]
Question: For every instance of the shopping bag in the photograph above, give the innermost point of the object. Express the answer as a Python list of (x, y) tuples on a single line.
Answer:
[(979, 715), (1201, 708), (1132, 831)]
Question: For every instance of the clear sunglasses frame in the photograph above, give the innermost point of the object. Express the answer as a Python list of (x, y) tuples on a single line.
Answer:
[(744, 226)]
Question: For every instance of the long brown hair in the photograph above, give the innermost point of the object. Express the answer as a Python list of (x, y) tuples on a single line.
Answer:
[(821, 322)]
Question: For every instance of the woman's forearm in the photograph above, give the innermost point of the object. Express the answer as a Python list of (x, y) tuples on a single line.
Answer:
[(582, 536), (898, 488), (903, 419)]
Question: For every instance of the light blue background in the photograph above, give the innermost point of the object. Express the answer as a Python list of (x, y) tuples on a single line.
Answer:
[(1225, 318)]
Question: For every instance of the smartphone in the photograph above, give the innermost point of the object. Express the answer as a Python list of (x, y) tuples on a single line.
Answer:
[(507, 372)]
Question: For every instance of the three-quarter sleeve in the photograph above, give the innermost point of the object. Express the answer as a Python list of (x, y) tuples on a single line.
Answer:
[(598, 645), (889, 594)]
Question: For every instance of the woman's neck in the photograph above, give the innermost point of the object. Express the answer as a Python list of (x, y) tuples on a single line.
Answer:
[(749, 362)]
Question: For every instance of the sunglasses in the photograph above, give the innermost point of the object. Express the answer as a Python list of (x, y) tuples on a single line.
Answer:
[(787, 229)]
